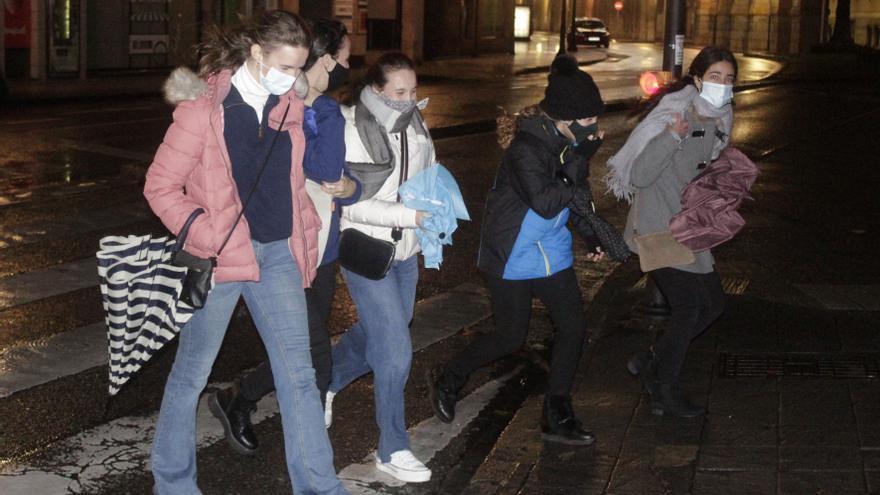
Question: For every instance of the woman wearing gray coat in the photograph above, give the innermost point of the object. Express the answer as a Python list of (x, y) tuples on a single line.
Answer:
[(687, 129)]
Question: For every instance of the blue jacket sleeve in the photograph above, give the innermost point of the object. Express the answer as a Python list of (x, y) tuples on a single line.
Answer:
[(325, 150), (354, 197)]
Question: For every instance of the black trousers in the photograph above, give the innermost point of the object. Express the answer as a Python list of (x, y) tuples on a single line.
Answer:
[(319, 301), (696, 301), (512, 305)]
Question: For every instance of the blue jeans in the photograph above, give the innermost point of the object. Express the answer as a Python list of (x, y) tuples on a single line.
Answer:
[(380, 342), (277, 305)]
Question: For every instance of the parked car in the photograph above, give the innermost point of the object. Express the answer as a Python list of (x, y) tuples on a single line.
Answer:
[(591, 31)]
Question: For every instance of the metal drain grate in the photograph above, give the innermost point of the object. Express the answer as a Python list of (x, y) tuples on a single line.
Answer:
[(827, 365)]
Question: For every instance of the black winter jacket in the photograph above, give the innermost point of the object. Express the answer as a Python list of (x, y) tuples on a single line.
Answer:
[(528, 178)]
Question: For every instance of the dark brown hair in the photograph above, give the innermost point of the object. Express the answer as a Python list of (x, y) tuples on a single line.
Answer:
[(327, 36), (706, 58), (229, 49), (377, 74)]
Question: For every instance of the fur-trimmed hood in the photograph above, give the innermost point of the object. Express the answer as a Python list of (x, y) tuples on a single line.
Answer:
[(183, 84)]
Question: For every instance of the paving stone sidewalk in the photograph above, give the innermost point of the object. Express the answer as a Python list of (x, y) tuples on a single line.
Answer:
[(799, 433)]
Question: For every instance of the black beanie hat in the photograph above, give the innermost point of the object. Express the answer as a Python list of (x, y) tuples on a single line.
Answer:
[(571, 93)]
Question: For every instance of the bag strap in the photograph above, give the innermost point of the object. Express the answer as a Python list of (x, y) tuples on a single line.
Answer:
[(636, 213), (256, 181), (397, 233), (184, 231)]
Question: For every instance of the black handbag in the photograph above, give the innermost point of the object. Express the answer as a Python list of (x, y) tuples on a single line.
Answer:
[(365, 255), (200, 271)]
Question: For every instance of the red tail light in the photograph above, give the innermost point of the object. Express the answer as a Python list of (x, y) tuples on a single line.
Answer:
[(651, 81)]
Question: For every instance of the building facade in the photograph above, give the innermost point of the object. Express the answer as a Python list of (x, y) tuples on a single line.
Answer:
[(468, 27), (82, 38), (78, 38), (776, 26), (864, 21)]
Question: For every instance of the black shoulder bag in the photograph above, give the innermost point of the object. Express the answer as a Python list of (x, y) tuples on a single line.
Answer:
[(200, 271), (365, 255)]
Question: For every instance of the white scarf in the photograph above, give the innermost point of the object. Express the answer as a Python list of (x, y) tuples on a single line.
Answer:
[(252, 92), (618, 179)]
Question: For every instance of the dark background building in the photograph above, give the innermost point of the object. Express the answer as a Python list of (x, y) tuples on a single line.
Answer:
[(79, 38)]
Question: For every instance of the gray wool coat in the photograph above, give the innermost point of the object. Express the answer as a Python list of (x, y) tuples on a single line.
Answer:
[(660, 174)]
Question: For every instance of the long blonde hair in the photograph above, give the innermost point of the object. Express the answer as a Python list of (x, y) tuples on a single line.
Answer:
[(229, 49)]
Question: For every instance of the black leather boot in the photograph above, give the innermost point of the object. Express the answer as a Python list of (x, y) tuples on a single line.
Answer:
[(668, 400), (234, 413), (442, 388), (558, 423)]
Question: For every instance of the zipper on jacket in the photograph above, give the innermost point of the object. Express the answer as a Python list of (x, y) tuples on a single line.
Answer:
[(544, 255), (558, 218), (218, 134), (299, 207)]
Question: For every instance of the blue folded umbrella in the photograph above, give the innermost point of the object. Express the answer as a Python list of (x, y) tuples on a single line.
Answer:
[(435, 191)]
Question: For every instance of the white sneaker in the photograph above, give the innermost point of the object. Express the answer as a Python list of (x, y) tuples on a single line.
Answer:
[(405, 467), (328, 408)]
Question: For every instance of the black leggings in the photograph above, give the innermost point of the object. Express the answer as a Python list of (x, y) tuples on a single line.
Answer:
[(512, 305), (319, 301), (696, 301)]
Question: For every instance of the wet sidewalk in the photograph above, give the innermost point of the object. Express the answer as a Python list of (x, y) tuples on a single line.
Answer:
[(790, 374), (791, 390)]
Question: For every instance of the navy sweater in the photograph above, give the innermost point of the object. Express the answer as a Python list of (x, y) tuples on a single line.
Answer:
[(325, 160), (270, 211)]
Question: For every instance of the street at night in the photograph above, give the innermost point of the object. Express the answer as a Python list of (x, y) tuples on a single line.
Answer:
[(789, 375)]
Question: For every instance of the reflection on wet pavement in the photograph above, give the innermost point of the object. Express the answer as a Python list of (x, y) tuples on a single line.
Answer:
[(64, 165)]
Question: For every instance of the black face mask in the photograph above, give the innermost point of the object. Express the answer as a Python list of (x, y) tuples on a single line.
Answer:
[(581, 132), (337, 77)]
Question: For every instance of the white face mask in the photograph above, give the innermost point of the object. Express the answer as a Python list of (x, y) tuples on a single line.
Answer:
[(275, 81), (717, 94)]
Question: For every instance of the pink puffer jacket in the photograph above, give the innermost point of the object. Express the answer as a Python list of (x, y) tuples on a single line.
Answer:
[(192, 169)]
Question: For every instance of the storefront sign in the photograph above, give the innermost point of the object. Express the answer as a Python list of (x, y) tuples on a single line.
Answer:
[(343, 8), (147, 44), (18, 23)]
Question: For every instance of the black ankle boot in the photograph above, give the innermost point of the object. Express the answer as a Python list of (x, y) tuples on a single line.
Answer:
[(559, 425), (668, 400), (234, 413), (442, 388)]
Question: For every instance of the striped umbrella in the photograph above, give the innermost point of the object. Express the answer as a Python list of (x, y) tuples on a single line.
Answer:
[(140, 289)]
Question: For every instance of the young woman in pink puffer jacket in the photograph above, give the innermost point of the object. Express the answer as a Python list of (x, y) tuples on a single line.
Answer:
[(210, 158)]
